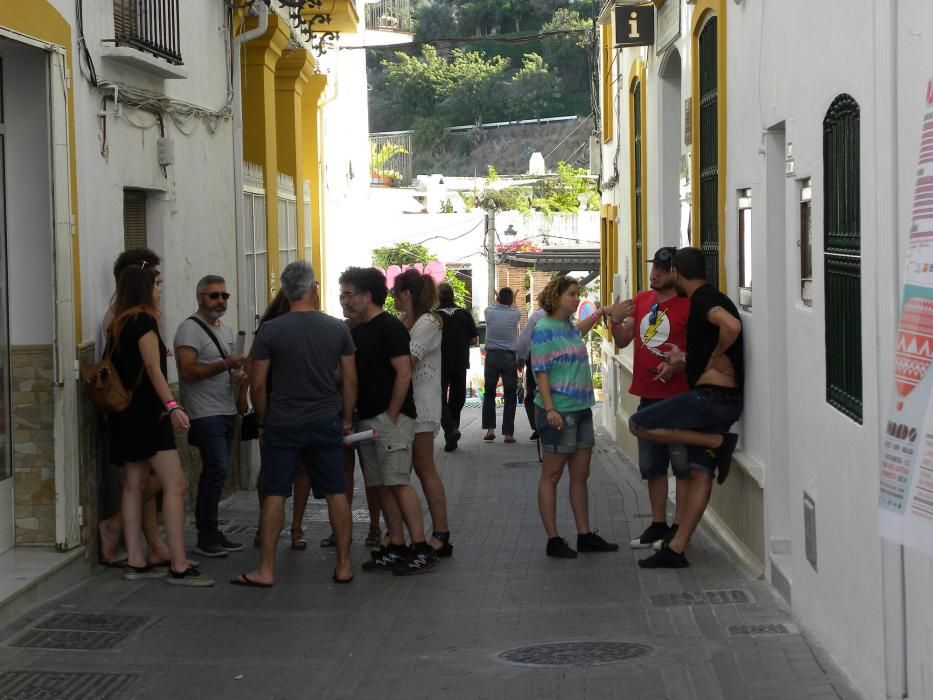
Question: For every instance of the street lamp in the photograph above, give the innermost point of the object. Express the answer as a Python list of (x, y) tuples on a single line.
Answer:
[(510, 231)]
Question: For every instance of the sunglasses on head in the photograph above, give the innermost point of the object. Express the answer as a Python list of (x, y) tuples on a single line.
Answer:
[(217, 295), (653, 315)]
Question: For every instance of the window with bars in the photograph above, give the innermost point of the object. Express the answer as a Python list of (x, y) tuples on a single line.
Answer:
[(709, 149), (638, 159), (843, 257), (254, 216), (134, 219), (745, 247), (806, 243), (288, 221)]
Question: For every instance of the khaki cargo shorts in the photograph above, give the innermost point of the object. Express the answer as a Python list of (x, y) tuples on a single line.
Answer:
[(386, 460)]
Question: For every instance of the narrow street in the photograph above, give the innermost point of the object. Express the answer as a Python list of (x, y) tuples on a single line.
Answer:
[(709, 631)]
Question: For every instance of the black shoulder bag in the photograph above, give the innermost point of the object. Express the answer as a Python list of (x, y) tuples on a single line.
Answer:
[(249, 426)]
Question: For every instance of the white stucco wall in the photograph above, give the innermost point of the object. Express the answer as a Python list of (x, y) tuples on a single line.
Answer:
[(28, 206), (783, 71), (190, 207)]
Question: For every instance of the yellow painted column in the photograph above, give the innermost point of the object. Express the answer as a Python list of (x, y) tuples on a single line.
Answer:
[(260, 57), (312, 144), (292, 73)]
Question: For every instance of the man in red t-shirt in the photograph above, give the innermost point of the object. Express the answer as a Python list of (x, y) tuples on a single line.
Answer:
[(654, 319)]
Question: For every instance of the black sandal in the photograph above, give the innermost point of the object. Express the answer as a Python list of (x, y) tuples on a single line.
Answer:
[(329, 541), (446, 549)]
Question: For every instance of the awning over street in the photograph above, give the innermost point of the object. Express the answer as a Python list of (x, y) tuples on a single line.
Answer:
[(562, 260)]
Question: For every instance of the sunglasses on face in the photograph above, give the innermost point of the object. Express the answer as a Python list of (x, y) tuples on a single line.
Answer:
[(653, 315), (217, 295)]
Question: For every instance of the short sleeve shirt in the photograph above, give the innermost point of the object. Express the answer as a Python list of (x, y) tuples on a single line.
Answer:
[(304, 349), (459, 327), (654, 330), (378, 342), (702, 336), (558, 351), (501, 327), (213, 396)]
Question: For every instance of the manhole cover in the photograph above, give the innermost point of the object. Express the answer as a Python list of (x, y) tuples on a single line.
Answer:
[(521, 465), (759, 629), (57, 639), (85, 622), (66, 686), (724, 597), (575, 653)]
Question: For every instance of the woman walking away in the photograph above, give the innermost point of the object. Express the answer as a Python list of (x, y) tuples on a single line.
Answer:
[(564, 417), (142, 437), (415, 295)]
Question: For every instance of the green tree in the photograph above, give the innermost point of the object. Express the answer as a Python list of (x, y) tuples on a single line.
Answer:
[(536, 91), (434, 20), (568, 53)]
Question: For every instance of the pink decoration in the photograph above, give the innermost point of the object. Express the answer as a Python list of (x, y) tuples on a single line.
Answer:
[(914, 352), (434, 268), (586, 309)]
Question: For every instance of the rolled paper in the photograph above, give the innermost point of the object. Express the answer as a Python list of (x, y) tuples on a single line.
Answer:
[(240, 342), (354, 438)]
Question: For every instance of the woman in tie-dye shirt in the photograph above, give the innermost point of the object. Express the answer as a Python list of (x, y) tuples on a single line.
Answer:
[(564, 413)]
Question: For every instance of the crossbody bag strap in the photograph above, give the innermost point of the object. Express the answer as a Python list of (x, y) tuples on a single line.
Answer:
[(210, 334)]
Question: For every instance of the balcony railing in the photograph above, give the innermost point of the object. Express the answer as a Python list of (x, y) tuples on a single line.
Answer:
[(149, 25), (389, 16)]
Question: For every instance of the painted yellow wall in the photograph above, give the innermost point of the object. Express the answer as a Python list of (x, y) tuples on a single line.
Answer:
[(39, 20), (260, 144), (703, 10), (313, 146), (607, 53)]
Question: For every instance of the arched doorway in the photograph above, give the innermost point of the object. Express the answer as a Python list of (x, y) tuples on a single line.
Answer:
[(673, 193)]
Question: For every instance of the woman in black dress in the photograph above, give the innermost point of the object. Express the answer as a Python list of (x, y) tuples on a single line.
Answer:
[(142, 436)]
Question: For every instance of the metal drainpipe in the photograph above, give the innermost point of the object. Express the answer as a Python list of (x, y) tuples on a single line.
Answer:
[(243, 292), (887, 307)]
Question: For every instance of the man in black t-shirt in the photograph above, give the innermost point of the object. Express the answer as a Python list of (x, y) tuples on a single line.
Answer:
[(386, 404), (699, 419), (458, 335)]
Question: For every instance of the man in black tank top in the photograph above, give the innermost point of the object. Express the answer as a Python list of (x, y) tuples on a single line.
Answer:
[(699, 419)]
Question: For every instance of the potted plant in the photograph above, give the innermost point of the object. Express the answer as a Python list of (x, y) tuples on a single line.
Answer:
[(379, 158)]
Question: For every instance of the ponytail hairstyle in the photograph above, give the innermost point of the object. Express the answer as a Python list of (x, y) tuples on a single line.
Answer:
[(278, 306), (133, 296), (549, 299), (423, 291)]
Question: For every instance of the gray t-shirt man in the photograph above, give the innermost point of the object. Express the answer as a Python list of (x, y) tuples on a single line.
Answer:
[(215, 395), (303, 349), (502, 327)]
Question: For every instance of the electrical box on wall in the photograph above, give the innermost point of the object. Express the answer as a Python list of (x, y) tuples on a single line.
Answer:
[(166, 150)]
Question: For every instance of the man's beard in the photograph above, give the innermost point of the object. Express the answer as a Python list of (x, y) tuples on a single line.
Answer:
[(680, 292), (213, 314), (663, 287)]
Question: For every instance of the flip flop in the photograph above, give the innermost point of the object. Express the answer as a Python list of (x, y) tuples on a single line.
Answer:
[(338, 580), (509, 440), (243, 580), (329, 541)]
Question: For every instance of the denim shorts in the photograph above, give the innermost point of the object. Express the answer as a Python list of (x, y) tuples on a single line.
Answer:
[(709, 409), (654, 457), (576, 435), (316, 445)]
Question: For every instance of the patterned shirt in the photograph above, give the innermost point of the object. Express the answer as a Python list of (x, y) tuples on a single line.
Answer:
[(558, 350)]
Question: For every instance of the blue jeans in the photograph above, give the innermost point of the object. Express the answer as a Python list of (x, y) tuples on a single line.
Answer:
[(214, 437), (653, 457), (708, 409)]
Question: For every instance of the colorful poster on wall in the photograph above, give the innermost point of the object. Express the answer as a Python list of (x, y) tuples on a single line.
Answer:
[(905, 497)]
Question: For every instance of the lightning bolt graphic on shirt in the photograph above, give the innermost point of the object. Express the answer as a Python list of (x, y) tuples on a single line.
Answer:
[(652, 329)]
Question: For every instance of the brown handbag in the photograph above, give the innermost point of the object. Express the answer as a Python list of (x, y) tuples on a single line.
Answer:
[(103, 385)]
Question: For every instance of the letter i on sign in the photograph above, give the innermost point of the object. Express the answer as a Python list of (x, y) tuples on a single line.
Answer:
[(633, 26)]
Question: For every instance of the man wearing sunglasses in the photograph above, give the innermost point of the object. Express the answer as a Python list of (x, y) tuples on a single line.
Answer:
[(654, 320), (209, 370)]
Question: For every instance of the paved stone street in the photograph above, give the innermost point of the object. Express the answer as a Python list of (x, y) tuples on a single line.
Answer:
[(710, 631)]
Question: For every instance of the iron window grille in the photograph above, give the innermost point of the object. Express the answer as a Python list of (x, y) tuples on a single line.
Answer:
[(806, 243), (149, 25), (638, 187), (389, 16), (843, 257), (745, 247)]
